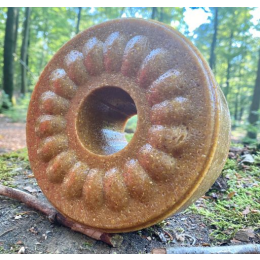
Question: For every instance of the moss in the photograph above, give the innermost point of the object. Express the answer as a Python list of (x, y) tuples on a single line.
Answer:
[(11, 164), (237, 207)]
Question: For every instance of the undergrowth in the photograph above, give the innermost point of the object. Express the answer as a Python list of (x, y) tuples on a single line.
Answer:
[(235, 208), (18, 111), (10, 165)]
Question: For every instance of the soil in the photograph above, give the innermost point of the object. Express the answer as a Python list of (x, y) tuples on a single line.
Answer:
[(23, 227), (12, 135)]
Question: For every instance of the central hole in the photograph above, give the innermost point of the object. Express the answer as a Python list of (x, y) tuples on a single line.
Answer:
[(103, 118)]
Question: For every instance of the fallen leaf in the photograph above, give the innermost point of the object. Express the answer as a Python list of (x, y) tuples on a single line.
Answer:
[(18, 217), (244, 234), (247, 158), (205, 244), (231, 194), (246, 211), (33, 230), (21, 250), (238, 175), (180, 237)]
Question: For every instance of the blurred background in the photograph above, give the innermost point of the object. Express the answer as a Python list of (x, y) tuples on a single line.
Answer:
[(228, 38)]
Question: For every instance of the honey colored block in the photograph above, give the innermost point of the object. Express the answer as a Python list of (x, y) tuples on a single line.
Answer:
[(79, 109)]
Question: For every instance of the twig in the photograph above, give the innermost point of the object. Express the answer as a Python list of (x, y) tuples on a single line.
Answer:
[(168, 234), (7, 231), (193, 238), (114, 240), (239, 249)]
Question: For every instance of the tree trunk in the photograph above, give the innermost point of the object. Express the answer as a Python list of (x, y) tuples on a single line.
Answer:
[(161, 14), (255, 105), (229, 63), (212, 60), (16, 29), (78, 22), (45, 37), (154, 12), (24, 50), (237, 94), (9, 48)]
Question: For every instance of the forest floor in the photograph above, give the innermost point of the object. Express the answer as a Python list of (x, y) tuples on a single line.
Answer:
[(229, 214)]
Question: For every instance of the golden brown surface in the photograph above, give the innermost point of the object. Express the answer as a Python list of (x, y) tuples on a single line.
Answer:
[(79, 109)]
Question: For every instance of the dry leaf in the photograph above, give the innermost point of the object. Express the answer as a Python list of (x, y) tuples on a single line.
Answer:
[(180, 237), (246, 211), (231, 194), (21, 250), (244, 234)]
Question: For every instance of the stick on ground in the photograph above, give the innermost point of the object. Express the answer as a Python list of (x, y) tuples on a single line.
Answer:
[(54, 216)]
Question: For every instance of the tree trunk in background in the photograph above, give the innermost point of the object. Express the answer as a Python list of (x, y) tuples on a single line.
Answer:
[(24, 50), (255, 105), (154, 11), (229, 63), (161, 14), (212, 59), (78, 22), (16, 29), (45, 38), (237, 95), (9, 49)]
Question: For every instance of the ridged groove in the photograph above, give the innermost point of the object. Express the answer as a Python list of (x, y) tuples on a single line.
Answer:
[(61, 84), (74, 181), (136, 50), (47, 125), (114, 47), (116, 194), (93, 56), (75, 67), (50, 103), (153, 69), (138, 183), (59, 166), (165, 87), (155, 64), (167, 139), (93, 189), (169, 111), (159, 165), (51, 146)]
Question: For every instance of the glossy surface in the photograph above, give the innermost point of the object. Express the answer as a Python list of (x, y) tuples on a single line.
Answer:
[(77, 115)]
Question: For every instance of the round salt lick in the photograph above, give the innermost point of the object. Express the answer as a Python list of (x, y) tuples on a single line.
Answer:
[(79, 109)]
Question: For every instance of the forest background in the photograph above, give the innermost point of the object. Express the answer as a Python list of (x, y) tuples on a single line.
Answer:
[(229, 39)]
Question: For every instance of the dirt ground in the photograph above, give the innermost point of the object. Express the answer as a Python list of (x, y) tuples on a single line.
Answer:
[(23, 227), (12, 135)]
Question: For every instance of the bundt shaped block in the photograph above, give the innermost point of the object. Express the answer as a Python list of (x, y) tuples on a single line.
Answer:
[(77, 115)]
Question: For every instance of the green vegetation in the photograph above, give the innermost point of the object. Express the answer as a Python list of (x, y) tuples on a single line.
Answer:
[(236, 207), (130, 128), (18, 112), (10, 165)]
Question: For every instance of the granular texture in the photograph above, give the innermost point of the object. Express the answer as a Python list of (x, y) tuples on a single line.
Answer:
[(78, 112)]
